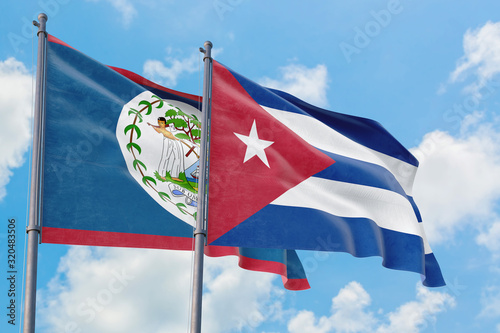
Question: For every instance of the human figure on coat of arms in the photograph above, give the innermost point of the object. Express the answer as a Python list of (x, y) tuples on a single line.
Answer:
[(172, 159)]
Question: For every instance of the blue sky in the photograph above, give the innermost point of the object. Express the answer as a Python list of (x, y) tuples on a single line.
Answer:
[(428, 71)]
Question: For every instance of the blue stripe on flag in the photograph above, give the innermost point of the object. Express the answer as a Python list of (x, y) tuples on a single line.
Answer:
[(295, 270), (433, 276), (349, 170), (415, 209), (321, 231)]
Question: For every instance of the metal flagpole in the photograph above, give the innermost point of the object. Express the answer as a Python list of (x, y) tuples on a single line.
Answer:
[(33, 229), (201, 218)]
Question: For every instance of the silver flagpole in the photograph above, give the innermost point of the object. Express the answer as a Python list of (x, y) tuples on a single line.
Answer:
[(200, 232), (33, 228)]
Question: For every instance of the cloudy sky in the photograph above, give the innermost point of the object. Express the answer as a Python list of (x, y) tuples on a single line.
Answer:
[(428, 71)]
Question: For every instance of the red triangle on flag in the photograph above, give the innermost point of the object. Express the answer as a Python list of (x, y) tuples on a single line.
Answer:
[(243, 138)]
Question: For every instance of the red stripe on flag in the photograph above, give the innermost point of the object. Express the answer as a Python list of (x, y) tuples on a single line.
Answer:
[(259, 265), (246, 262), (295, 284), (143, 81), (118, 239), (56, 40), (103, 238)]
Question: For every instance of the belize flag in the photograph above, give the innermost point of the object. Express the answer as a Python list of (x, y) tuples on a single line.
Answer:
[(287, 175), (121, 158)]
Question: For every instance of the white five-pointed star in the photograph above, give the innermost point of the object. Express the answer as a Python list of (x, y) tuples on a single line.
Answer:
[(255, 146)]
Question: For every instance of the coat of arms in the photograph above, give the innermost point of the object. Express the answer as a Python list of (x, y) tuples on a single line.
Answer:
[(160, 142)]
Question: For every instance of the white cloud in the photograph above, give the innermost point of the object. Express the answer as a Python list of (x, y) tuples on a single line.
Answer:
[(125, 8), (151, 293), (350, 314), (137, 290), (156, 70), (490, 238), (457, 183), (309, 84), (305, 321), (15, 112), (237, 297), (414, 316), (348, 309), (490, 301), (167, 75), (481, 57)]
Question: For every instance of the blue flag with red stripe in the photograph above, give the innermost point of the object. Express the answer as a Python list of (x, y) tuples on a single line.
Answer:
[(288, 175), (121, 161)]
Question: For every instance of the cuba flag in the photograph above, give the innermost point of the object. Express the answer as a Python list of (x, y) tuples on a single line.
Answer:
[(288, 175), (121, 164)]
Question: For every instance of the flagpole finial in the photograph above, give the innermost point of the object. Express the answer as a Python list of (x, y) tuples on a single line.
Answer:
[(207, 50), (42, 19)]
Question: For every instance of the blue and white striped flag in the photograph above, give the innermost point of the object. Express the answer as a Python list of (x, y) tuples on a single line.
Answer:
[(286, 174)]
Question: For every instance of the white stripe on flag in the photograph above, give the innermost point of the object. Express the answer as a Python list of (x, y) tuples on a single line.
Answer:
[(325, 138), (427, 247), (386, 208)]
